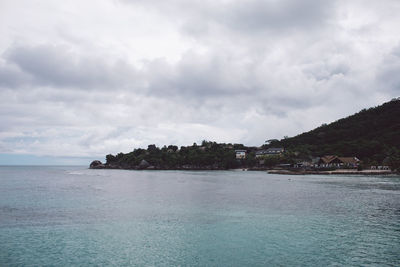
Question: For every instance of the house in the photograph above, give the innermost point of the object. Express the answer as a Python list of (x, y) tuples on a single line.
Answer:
[(273, 151), (326, 161), (349, 161), (240, 154), (335, 161)]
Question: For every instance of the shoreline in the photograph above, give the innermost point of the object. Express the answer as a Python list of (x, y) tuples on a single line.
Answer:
[(270, 171), (334, 172)]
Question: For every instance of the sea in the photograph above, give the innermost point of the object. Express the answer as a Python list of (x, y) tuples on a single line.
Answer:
[(75, 216)]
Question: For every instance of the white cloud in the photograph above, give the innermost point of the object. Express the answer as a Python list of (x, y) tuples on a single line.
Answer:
[(91, 78)]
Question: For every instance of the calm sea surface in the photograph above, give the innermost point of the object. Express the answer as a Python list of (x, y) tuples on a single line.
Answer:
[(63, 216)]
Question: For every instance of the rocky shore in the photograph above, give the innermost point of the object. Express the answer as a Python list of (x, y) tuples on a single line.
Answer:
[(144, 165)]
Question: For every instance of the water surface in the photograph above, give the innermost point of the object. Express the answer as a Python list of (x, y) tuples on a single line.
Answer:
[(77, 216)]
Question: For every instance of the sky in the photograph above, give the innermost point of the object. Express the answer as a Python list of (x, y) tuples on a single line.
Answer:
[(82, 79)]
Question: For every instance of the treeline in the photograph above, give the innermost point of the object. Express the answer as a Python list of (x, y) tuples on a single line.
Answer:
[(208, 155), (372, 135)]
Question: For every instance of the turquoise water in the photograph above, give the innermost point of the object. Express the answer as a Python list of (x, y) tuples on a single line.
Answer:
[(63, 216)]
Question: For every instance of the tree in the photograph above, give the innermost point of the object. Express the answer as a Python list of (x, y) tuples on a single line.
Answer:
[(271, 161), (151, 148), (110, 158), (393, 159), (173, 148)]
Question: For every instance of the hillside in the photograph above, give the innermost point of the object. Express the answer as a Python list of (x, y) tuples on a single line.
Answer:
[(371, 135)]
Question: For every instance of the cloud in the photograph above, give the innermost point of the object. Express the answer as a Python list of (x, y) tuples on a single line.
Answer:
[(276, 16), (388, 72), (59, 66), (198, 77), (246, 17), (12, 76), (86, 80)]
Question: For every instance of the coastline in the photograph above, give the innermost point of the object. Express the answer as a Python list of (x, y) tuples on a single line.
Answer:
[(335, 172), (268, 170)]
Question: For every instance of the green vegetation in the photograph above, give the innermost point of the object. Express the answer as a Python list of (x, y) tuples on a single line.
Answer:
[(372, 135), (208, 155)]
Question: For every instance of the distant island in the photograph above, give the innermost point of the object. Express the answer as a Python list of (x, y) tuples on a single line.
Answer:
[(369, 139)]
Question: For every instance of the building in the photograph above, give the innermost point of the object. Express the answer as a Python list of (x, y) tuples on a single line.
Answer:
[(240, 154), (335, 161), (349, 161), (273, 151), (303, 164)]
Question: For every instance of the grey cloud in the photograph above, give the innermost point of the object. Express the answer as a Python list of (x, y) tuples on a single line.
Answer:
[(58, 66), (326, 70), (388, 72), (245, 17), (276, 16), (195, 77), (271, 89), (11, 76)]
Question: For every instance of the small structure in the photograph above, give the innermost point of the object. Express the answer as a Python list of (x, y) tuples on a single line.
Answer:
[(335, 161), (303, 164), (382, 168), (349, 161), (272, 151), (240, 154)]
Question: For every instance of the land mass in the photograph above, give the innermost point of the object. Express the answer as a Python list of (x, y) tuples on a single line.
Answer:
[(365, 140)]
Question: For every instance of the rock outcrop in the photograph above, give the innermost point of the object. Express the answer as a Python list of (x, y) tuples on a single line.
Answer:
[(143, 165), (97, 164)]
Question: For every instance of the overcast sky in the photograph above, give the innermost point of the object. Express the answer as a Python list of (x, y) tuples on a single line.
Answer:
[(82, 79)]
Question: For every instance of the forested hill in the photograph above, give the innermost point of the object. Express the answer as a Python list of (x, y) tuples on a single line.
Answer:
[(370, 134)]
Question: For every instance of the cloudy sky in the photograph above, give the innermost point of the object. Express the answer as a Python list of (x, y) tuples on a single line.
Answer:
[(81, 79)]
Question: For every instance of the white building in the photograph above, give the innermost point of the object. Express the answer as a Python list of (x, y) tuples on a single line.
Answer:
[(240, 154), (273, 151)]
